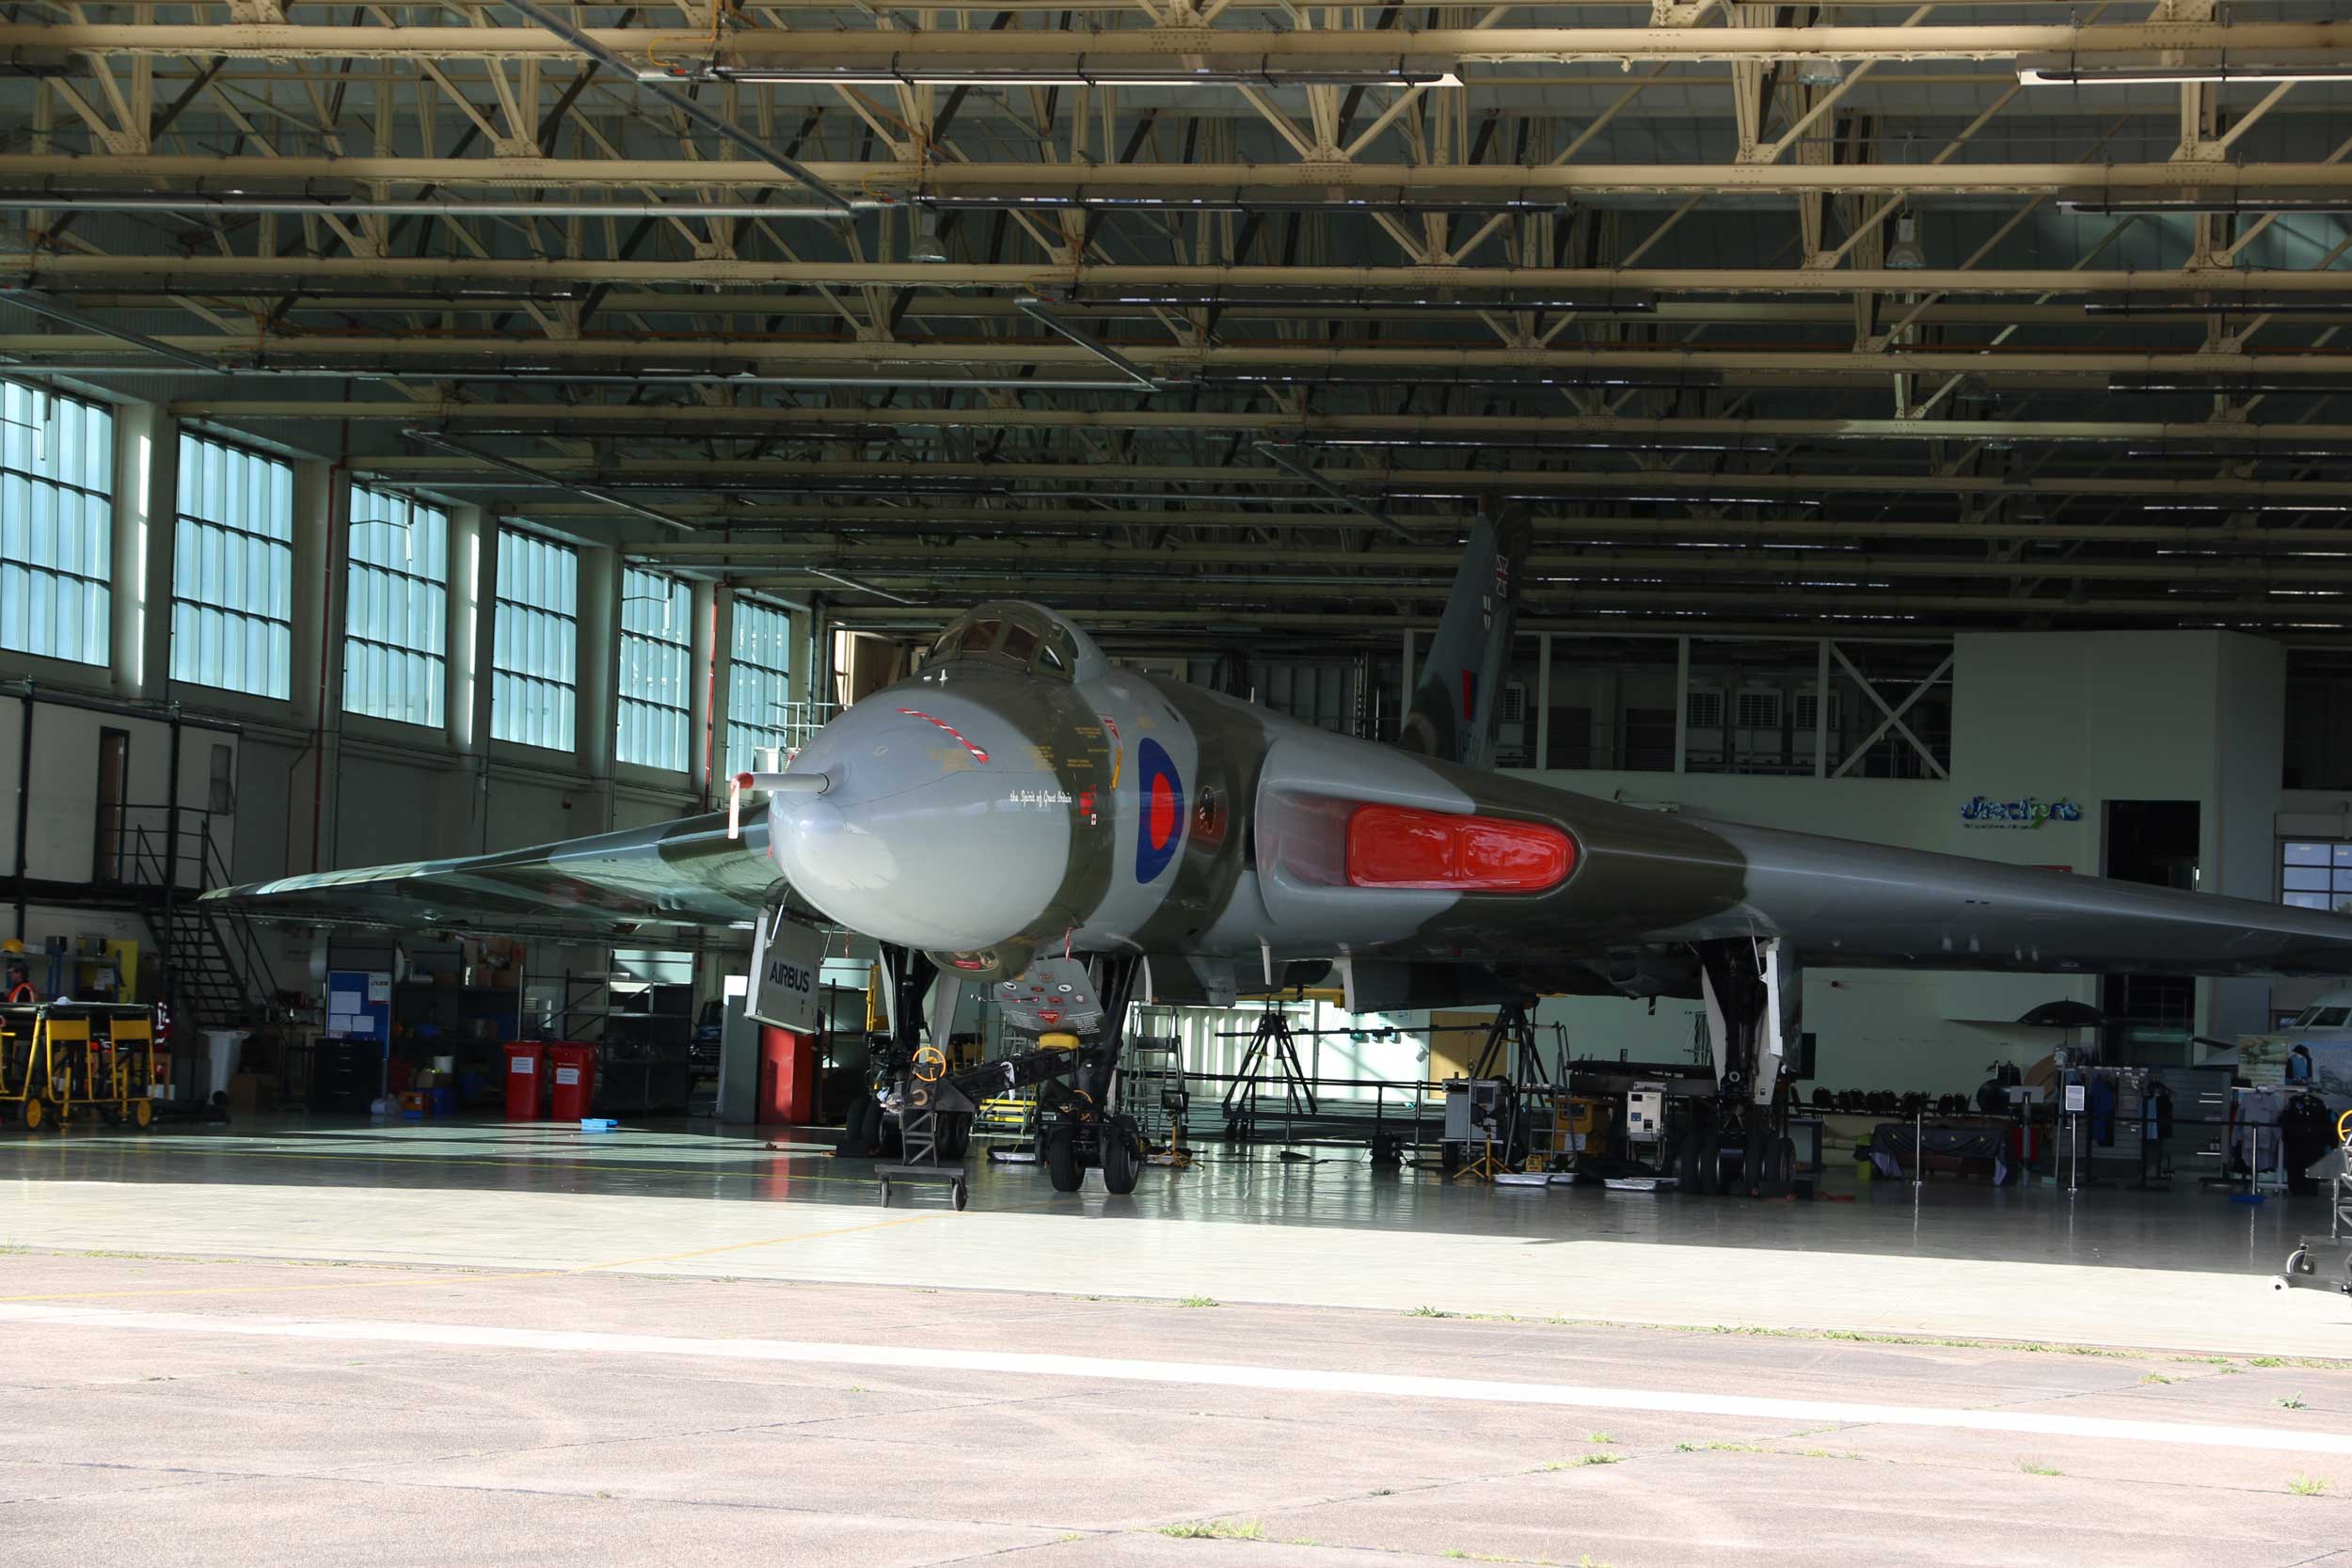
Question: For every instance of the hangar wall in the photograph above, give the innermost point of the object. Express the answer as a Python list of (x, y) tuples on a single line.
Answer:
[(2087, 718)]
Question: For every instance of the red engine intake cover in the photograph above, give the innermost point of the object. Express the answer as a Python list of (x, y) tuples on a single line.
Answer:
[(1402, 847)]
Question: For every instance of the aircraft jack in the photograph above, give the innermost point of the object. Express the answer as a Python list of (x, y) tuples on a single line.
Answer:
[(925, 1098)]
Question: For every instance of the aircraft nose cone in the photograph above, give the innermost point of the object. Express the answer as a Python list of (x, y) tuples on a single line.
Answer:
[(940, 830)]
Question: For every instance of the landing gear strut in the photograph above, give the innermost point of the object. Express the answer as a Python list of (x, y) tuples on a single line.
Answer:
[(1751, 989), (1086, 1130)]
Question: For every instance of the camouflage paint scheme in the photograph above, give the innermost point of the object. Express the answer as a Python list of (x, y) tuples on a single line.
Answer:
[(1021, 796)]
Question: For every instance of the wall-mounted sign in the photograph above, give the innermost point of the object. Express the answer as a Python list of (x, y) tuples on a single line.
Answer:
[(2031, 812), (786, 957)]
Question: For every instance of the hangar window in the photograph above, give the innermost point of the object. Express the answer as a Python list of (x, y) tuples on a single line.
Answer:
[(2319, 752), (759, 685), (395, 624), (232, 570), (2315, 875), (657, 652), (1611, 703), (534, 651), (56, 524)]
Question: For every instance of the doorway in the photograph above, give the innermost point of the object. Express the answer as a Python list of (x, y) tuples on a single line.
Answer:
[(114, 774), (2153, 842)]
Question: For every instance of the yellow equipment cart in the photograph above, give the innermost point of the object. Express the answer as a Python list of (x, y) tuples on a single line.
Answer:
[(60, 1059)]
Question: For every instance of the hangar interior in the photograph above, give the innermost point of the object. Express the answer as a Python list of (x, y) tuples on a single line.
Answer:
[(413, 450), (432, 430)]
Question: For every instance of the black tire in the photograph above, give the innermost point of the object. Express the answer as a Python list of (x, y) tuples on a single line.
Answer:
[(962, 1194), (1060, 1152), (1778, 1178), (853, 1143), (1711, 1182), (1121, 1161)]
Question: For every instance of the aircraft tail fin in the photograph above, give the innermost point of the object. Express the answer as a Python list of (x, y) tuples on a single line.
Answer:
[(1459, 687)]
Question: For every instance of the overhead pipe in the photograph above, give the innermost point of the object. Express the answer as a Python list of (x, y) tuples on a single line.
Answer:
[(709, 118), (1030, 187), (33, 300)]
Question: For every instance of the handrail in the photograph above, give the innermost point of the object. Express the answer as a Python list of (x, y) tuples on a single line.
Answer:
[(160, 868)]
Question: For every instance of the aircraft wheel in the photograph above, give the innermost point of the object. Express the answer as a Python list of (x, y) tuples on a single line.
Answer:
[(852, 1143), (1711, 1164), (1061, 1159), (1779, 1158), (1120, 1164)]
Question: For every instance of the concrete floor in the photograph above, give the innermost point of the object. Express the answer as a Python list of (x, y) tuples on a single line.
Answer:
[(490, 1344)]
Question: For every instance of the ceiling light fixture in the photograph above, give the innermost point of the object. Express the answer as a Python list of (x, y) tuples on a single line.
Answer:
[(1062, 73), (927, 245), (1904, 255), (2171, 67), (2205, 198)]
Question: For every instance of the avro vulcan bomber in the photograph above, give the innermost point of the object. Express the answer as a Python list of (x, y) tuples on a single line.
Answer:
[(1020, 801)]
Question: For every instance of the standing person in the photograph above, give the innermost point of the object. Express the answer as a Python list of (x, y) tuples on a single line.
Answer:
[(2156, 1131), (19, 990)]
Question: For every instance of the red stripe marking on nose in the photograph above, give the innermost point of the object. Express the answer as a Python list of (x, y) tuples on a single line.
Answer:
[(977, 755)]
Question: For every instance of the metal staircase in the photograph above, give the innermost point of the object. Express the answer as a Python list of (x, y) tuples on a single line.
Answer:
[(216, 973)]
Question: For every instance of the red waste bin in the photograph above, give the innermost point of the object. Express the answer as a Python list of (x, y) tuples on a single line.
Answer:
[(573, 1068), (787, 1078), (525, 1075)]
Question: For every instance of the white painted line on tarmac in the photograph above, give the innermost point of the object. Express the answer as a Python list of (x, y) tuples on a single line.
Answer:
[(1196, 1373)]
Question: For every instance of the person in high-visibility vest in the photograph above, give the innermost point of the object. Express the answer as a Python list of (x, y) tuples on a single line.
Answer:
[(20, 991)]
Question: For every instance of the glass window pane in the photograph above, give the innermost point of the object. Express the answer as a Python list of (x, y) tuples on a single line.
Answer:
[(396, 601), (233, 565), (56, 497), (534, 646), (2308, 854)]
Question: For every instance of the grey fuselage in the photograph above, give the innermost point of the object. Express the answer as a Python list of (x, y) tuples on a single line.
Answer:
[(987, 814)]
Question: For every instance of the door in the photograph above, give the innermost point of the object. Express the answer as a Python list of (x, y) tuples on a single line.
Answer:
[(2153, 842), (113, 773)]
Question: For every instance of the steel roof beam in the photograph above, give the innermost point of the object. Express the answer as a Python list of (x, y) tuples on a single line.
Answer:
[(1237, 186), (1171, 51)]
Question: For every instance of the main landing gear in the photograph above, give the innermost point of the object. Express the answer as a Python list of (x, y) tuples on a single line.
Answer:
[(1739, 1141), (1084, 1130)]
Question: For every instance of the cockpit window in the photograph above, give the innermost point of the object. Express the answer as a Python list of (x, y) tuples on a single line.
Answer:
[(1050, 662), (2327, 1018), (1020, 641), (981, 638)]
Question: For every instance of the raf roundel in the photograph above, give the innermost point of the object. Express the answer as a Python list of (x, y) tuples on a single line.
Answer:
[(1160, 822)]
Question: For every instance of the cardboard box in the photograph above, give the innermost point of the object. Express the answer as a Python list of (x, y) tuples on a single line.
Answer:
[(249, 1092)]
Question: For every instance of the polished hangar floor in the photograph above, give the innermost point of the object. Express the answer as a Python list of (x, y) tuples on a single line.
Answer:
[(304, 1342)]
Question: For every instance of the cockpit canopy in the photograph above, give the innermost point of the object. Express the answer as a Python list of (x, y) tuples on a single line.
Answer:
[(1017, 635)]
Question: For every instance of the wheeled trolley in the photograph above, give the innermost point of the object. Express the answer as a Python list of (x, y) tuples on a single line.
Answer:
[(63, 1059), (2325, 1263)]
